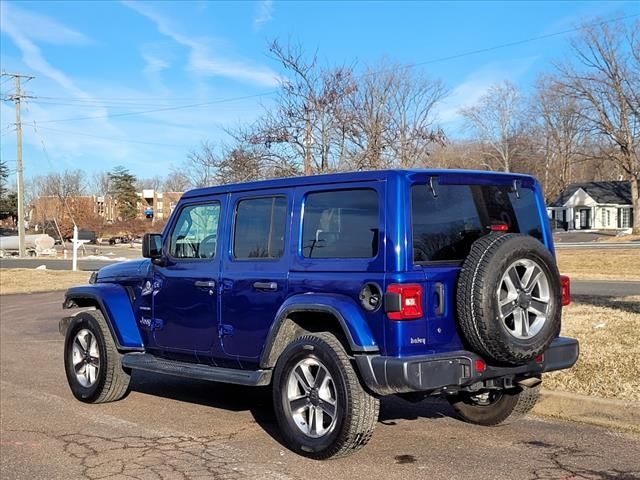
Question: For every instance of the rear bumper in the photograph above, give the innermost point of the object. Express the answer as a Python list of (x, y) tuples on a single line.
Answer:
[(454, 370)]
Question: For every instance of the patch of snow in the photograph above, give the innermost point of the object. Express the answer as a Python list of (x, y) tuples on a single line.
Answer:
[(105, 258), (41, 267)]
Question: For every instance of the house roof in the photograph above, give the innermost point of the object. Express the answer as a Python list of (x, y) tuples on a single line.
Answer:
[(601, 192)]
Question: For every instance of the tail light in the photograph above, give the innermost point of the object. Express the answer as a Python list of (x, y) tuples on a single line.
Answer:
[(480, 365), (403, 301), (565, 284), (499, 227)]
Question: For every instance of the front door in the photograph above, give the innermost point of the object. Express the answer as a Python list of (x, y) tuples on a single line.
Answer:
[(185, 297), (255, 273), (585, 218)]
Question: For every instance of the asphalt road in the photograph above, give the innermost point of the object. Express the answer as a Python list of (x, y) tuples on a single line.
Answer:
[(606, 288), (52, 263), (173, 428)]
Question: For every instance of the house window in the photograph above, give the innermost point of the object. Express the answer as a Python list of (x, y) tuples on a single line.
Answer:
[(604, 218), (608, 218), (625, 217)]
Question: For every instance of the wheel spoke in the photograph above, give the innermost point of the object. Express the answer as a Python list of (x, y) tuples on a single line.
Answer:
[(328, 408), (320, 377), (507, 308), (78, 367), (304, 377), (530, 278), (298, 404), (78, 343), (319, 420), (538, 307), (514, 278)]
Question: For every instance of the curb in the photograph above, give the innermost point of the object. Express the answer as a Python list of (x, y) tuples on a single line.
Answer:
[(605, 412)]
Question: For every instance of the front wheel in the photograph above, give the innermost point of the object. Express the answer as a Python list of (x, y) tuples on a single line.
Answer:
[(493, 407), (322, 409), (92, 361)]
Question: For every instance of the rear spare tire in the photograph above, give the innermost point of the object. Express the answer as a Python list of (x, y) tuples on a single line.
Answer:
[(509, 298)]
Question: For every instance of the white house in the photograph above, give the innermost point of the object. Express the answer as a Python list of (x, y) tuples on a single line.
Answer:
[(593, 206)]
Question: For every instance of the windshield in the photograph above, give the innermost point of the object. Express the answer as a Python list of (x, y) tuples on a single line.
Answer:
[(445, 226)]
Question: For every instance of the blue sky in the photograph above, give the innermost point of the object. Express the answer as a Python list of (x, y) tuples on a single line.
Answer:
[(111, 60)]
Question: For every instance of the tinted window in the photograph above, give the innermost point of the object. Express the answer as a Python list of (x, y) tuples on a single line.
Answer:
[(260, 227), (340, 224), (195, 233), (444, 227)]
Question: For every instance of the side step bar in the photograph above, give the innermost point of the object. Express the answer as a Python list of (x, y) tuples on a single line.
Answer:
[(151, 363)]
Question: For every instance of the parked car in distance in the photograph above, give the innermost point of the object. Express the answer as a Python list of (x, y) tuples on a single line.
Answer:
[(336, 290)]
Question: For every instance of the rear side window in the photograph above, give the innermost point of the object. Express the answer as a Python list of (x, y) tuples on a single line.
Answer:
[(444, 227), (260, 228), (195, 234), (341, 224)]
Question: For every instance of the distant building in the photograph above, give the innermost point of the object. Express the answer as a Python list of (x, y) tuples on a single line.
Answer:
[(152, 205), (593, 206)]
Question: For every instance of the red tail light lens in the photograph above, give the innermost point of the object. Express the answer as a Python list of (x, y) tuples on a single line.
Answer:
[(480, 365), (499, 227), (565, 284), (403, 301)]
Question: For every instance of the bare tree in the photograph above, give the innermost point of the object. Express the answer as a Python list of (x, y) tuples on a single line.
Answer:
[(153, 183), (304, 123), (200, 166), (561, 136), (176, 181), (498, 122), (99, 183), (604, 81)]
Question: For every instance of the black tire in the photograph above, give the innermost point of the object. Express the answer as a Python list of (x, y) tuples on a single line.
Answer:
[(356, 412), (503, 406), (112, 382), (477, 299)]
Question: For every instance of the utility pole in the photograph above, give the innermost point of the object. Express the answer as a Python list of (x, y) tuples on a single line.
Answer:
[(17, 97)]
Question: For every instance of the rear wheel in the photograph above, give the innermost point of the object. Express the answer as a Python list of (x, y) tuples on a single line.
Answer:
[(493, 407), (92, 361), (322, 409)]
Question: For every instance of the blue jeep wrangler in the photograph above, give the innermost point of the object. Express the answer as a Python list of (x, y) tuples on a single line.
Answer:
[(337, 290)]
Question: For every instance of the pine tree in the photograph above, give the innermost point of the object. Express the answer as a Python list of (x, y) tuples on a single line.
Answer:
[(123, 189)]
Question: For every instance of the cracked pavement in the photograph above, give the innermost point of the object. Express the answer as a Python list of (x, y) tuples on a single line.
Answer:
[(173, 428)]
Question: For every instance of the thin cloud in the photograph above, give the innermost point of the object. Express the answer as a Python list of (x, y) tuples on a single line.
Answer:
[(24, 36), (39, 27), (264, 13), (201, 60)]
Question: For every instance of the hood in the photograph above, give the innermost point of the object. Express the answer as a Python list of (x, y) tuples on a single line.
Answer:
[(132, 269)]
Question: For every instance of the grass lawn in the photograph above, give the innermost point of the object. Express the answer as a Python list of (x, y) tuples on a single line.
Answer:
[(29, 280), (594, 264), (609, 333)]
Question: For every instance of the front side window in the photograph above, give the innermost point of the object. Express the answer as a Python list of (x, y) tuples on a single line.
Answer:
[(195, 234), (260, 228), (341, 224)]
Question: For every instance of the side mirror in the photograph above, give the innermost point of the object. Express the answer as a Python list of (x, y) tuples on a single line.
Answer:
[(152, 245)]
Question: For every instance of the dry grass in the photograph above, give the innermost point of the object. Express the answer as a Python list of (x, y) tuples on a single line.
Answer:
[(622, 239), (608, 329), (594, 264), (28, 280)]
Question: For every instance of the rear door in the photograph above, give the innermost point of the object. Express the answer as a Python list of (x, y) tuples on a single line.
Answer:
[(446, 219), (255, 272)]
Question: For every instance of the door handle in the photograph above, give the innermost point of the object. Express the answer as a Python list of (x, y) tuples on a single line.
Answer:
[(271, 286), (205, 283)]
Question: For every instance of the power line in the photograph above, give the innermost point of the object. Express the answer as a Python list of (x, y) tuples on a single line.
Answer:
[(126, 140), (164, 109)]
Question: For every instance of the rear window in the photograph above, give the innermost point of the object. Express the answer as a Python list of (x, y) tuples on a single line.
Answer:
[(444, 227), (340, 224)]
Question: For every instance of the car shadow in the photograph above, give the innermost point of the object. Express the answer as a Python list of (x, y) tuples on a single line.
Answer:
[(616, 303), (258, 400)]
